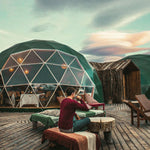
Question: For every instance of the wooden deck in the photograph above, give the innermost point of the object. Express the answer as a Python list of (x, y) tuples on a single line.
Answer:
[(16, 132)]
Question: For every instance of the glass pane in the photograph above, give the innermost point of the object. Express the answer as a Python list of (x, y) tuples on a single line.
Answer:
[(6, 74), (19, 57), (78, 74), (49, 100), (60, 92), (44, 76), (31, 70), (56, 59), (44, 54), (29, 98), (86, 81), (57, 71), (88, 89), (11, 62), (76, 64), (68, 58), (68, 78), (29, 90), (18, 78), (5, 101), (32, 58), (15, 93), (64, 87)]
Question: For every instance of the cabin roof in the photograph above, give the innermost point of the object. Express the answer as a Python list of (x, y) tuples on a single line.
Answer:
[(116, 65)]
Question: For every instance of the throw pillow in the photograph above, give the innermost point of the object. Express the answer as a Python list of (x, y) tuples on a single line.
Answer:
[(89, 99), (52, 112)]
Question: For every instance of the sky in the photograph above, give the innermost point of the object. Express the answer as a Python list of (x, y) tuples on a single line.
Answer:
[(101, 30)]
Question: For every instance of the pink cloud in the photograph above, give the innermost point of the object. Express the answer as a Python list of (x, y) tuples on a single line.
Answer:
[(115, 43)]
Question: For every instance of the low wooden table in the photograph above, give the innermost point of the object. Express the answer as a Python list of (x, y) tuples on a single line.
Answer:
[(105, 124)]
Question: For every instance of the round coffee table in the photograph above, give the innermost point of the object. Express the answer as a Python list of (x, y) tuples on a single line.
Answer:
[(105, 124)]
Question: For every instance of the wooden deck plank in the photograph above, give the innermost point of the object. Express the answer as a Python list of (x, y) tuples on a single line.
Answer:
[(121, 143), (124, 133), (137, 137), (16, 132)]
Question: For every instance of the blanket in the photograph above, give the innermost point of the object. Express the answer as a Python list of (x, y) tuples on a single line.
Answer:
[(74, 141), (50, 117), (48, 121), (90, 113)]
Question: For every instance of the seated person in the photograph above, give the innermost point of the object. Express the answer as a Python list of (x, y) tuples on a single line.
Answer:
[(68, 106)]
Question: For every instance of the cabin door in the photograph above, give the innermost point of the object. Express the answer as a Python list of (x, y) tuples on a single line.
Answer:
[(124, 87), (131, 85)]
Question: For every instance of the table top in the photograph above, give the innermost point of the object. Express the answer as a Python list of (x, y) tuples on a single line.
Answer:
[(102, 119)]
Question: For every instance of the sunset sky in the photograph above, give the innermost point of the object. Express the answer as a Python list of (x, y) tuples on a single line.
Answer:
[(102, 30)]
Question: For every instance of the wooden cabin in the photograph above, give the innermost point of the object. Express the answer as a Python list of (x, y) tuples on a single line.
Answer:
[(120, 80)]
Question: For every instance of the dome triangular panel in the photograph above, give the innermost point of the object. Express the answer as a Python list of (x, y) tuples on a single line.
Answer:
[(20, 56), (68, 58), (31, 70), (57, 71), (32, 58), (44, 54), (44, 76), (10, 63), (86, 81), (18, 78), (78, 74), (69, 79), (7, 73), (75, 64), (56, 59)]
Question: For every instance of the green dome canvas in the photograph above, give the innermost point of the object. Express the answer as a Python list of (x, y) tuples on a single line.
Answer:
[(46, 64)]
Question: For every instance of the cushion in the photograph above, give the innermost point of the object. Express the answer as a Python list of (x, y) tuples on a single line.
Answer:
[(51, 112), (60, 99), (89, 99)]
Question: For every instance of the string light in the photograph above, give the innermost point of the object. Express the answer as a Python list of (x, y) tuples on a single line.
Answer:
[(20, 60), (26, 71), (63, 66), (11, 69)]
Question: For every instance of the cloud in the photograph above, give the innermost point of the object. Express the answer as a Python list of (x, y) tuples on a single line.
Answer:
[(115, 43), (121, 12), (40, 28), (105, 13), (59, 5)]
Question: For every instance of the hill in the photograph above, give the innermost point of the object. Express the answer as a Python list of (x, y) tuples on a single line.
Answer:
[(143, 63)]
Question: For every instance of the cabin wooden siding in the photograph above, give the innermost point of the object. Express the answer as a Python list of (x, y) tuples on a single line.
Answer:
[(120, 80)]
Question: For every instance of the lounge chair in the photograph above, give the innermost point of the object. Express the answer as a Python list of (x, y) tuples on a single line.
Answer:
[(92, 102), (144, 102), (144, 105), (136, 111)]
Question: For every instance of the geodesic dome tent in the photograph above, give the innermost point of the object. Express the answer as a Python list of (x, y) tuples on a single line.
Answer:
[(36, 72)]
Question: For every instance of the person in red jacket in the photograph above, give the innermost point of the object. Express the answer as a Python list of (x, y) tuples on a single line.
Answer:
[(67, 121)]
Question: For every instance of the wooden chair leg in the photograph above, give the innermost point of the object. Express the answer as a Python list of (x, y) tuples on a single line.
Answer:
[(138, 120), (132, 119)]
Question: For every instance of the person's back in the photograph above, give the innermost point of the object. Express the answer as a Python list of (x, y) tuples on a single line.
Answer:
[(67, 111)]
